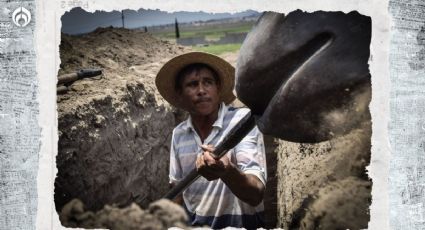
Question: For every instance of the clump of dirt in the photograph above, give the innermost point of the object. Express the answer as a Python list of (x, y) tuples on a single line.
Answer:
[(161, 214), (114, 129), (340, 204)]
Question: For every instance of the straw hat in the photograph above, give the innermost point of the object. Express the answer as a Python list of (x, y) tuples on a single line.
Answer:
[(166, 78)]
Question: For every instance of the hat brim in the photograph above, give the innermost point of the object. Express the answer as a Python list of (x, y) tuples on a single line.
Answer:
[(166, 78)]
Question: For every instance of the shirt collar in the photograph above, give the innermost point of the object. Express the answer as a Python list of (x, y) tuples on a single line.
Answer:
[(218, 123)]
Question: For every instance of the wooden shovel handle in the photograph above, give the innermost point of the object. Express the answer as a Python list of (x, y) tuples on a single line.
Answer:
[(241, 129)]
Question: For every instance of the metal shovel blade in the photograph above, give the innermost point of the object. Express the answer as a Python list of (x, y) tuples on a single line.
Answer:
[(301, 72)]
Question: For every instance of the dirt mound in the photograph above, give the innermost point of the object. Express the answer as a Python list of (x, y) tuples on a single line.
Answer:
[(125, 56), (114, 129), (114, 49), (161, 214)]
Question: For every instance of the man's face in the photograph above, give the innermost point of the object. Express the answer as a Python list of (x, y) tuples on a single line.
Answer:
[(199, 93)]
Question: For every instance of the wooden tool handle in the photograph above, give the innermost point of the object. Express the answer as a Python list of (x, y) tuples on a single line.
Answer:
[(241, 129)]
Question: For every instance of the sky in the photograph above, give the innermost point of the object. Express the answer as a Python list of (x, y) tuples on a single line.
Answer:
[(79, 21)]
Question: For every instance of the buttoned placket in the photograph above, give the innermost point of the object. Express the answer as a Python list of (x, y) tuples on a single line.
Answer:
[(214, 132), (207, 141)]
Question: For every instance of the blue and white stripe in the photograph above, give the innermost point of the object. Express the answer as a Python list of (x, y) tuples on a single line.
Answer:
[(211, 202)]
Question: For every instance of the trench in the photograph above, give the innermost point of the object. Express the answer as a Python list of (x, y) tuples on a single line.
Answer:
[(114, 137), (110, 156), (115, 151), (115, 132)]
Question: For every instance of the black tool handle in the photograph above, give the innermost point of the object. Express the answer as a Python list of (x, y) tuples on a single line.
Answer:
[(241, 129), (81, 74), (84, 73)]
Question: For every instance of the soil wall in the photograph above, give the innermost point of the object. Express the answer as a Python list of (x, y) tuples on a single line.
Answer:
[(114, 153), (114, 129), (325, 185)]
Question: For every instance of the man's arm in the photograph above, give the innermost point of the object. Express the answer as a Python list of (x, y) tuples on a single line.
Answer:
[(246, 187)]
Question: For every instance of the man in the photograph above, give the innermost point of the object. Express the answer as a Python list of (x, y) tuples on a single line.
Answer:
[(231, 190)]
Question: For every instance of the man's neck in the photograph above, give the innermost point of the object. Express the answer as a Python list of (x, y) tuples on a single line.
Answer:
[(204, 124)]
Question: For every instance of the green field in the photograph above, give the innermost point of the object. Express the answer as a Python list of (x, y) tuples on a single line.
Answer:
[(209, 32), (218, 49)]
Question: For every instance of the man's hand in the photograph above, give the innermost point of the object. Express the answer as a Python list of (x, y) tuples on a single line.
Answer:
[(246, 187), (209, 167)]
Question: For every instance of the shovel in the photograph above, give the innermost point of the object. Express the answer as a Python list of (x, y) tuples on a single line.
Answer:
[(294, 70)]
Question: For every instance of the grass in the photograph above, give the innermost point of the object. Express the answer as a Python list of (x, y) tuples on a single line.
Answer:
[(218, 49), (210, 32)]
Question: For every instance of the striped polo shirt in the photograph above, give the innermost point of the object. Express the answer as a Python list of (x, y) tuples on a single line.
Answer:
[(211, 202)]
